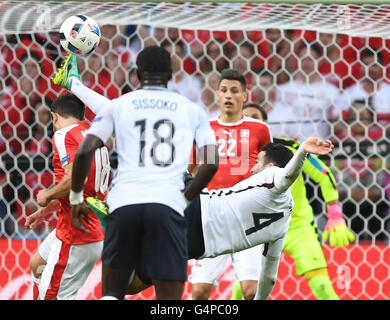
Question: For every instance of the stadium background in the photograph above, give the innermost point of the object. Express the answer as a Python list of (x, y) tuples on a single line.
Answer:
[(28, 58)]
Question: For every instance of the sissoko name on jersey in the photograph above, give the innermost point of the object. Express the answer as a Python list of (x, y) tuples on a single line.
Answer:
[(159, 104)]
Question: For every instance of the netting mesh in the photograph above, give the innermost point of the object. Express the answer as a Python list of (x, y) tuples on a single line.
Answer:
[(315, 69)]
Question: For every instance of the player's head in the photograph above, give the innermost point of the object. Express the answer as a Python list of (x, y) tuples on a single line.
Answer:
[(272, 154), (154, 66), (231, 91), (66, 109), (255, 111)]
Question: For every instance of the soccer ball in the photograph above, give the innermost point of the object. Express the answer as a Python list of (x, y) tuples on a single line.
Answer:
[(80, 35)]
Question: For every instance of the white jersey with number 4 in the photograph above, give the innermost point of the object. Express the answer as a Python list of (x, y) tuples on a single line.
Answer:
[(254, 211), (155, 130)]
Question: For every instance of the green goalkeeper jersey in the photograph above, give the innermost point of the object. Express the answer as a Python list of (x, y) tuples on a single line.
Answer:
[(319, 173)]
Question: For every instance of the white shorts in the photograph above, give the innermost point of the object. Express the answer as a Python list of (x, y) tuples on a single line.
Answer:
[(246, 263), (67, 268)]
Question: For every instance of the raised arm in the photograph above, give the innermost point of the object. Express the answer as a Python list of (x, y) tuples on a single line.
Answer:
[(285, 178), (89, 97), (68, 77)]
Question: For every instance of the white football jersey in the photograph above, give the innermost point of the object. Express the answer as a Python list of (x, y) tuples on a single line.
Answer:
[(254, 211), (155, 130)]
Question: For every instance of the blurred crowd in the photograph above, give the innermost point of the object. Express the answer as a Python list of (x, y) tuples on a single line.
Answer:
[(331, 85)]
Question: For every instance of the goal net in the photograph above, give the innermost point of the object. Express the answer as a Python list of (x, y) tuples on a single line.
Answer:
[(316, 69)]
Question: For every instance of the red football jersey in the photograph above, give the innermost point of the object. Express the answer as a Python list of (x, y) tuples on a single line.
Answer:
[(239, 144), (65, 144)]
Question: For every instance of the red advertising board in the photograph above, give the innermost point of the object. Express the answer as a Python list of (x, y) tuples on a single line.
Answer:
[(358, 272)]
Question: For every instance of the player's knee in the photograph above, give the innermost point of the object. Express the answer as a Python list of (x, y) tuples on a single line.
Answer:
[(201, 291), (136, 286), (249, 288), (249, 293), (37, 264)]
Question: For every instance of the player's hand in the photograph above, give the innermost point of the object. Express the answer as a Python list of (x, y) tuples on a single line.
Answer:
[(80, 212), (317, 146), (336, 230), (43, 197), (34, 219)]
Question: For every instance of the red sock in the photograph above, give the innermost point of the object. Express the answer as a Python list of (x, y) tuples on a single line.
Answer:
[(35, 291)]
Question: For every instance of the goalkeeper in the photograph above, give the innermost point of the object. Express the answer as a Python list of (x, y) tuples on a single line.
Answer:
[(302, 241)]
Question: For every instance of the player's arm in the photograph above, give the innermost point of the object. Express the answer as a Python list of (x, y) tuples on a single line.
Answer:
[(285, 177), (206, 150), (101, 130), (336, 230), (34, 219), (95, 101), (58, 191), (210, 161), (194, 163), (81, 167), (269, 269)]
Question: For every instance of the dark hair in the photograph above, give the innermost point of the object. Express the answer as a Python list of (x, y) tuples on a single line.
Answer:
[(258, 107), (371, 52), (312, 47), (33, 55), (169, 43), (154, 59), (68, 105), (277, 153), (230, 74), (264, 73)]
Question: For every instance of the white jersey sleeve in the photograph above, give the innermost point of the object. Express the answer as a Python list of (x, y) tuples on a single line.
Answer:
[(89, 97), (103, 124), (284, 178)]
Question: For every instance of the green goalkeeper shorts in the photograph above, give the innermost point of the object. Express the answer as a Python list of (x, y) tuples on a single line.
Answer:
[(304, 246)]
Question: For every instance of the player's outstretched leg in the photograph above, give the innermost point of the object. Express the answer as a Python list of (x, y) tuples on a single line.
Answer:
[(100, 209), (67, 70)]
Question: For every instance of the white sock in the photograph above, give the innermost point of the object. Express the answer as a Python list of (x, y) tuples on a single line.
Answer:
[(108, 298), (90, 98)]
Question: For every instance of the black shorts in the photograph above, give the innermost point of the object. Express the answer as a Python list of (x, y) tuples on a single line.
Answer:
[(195, 236), (150, 238)]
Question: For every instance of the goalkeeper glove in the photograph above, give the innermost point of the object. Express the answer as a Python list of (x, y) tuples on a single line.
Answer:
[(336, 229)]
